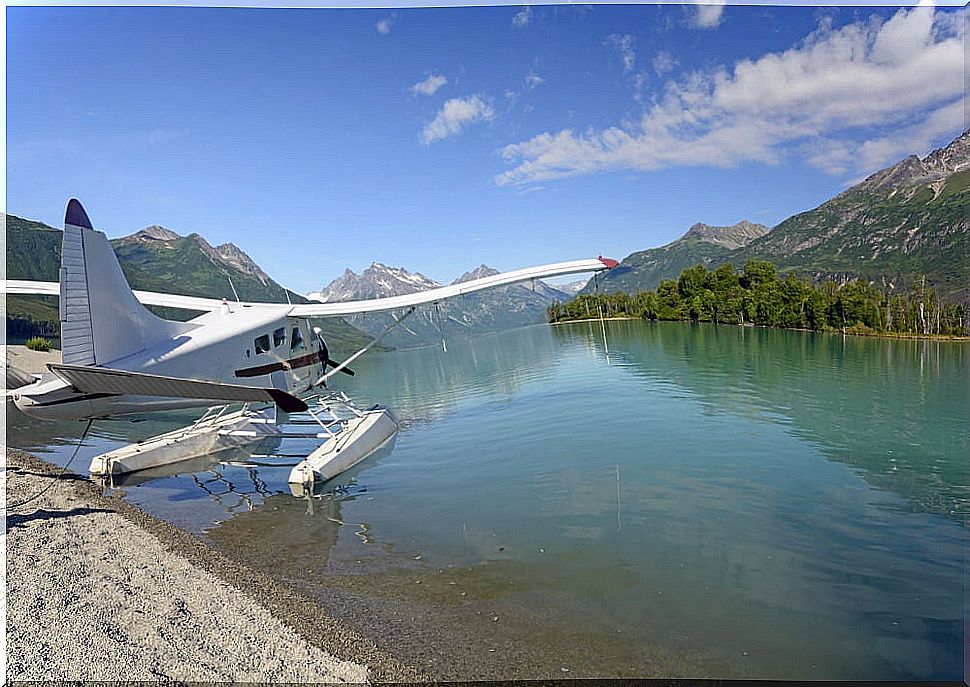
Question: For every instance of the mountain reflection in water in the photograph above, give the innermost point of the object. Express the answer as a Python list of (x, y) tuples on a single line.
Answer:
[(892, 408)]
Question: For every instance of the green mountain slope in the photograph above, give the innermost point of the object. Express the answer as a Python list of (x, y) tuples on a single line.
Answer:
[(33, 252), (153, 259), (902, 223), (644, 270), (702, 244)]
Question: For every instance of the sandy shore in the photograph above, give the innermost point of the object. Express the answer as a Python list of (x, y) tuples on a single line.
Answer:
[(98, 590), (24, 359), (21, 364)]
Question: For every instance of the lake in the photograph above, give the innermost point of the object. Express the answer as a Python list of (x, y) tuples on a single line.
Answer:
[(705, 501)]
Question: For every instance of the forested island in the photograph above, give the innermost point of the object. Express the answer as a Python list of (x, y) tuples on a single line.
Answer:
[(759, 295)]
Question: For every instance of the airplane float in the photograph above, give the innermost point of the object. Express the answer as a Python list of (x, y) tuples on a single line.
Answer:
[(119, 358)]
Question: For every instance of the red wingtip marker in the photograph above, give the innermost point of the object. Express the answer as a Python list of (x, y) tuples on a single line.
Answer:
[(609, 262)]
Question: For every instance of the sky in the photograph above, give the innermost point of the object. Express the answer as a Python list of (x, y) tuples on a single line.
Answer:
[(438, 139)]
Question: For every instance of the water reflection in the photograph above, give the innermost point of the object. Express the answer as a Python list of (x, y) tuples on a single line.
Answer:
[(740, 493), (38, 436), (292, 536), (896, 409), (285, 534), (426, 383)]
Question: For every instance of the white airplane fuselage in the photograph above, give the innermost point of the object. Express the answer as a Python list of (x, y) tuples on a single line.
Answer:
[(249, 345)]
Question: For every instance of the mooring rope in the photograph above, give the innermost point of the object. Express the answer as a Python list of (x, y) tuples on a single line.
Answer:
[(63, 470)]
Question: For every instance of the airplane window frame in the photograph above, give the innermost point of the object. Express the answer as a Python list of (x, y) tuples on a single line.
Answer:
[(297, 343), (279, 337)]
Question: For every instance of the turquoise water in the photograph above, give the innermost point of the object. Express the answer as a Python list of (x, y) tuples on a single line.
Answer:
[(784, 504)]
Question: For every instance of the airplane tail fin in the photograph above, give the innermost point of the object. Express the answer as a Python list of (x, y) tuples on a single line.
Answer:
[(101, 320)]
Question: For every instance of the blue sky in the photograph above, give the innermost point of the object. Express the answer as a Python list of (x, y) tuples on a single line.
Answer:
[(439, 139)]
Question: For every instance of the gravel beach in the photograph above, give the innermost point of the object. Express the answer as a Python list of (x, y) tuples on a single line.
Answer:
[(98, 590), (20, 364)]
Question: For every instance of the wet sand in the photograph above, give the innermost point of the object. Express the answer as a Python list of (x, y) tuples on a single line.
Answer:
[(99, 590), (453, 622)]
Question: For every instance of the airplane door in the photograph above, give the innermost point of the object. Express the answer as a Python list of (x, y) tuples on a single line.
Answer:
[(278, 379), (302, 346)]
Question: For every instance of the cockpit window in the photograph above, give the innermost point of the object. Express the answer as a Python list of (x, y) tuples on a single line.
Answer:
[(261, 343), (296, 340), (279, 337)]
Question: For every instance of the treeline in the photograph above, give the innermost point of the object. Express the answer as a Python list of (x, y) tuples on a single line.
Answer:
[(23, 327), (758, 295)]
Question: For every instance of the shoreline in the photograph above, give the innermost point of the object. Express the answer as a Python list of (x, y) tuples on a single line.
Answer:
[(383, 623), (120, 583), (903, 336)]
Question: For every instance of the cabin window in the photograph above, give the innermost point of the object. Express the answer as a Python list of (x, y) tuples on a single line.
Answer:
[(279, 337), (261, 343), (296, 340), (247, 352)]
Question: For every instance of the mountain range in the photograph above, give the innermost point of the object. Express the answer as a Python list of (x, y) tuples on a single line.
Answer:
[(902, 223), (494, 310), (153, 259), (159, 259)]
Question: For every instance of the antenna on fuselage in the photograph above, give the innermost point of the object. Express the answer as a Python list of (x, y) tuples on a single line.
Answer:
[(233, 289)]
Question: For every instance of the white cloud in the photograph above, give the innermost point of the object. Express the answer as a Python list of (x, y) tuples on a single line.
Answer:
[(833, 156), (862, 158), (708, 15), (522, 19), (624, 47), (919, 138), (902, 77), (664, 62), (384, 25), (455, 115), (429, 86), (639, 83), (532, 80)]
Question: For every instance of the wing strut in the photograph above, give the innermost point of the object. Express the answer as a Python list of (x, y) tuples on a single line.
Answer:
[(398, 322)]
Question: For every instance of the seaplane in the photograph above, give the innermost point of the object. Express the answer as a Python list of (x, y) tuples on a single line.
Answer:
[(118, 358)]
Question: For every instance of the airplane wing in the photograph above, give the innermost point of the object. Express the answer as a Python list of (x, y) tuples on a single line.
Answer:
[(22, 286), (320, 309), (107, 380), (445, 292), (48, 288)]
